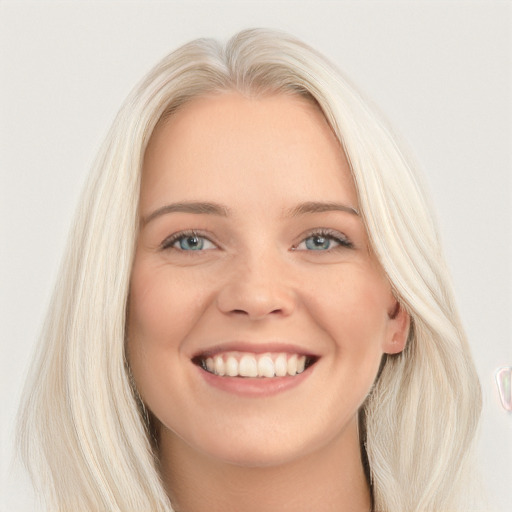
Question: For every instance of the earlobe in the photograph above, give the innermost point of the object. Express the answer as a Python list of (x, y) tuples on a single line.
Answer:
[(399, 325)]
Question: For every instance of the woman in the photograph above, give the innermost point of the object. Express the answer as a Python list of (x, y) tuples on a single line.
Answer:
[(254, 313)]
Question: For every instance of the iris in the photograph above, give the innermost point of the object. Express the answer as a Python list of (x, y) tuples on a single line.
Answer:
[(191, 243), (318, 243)]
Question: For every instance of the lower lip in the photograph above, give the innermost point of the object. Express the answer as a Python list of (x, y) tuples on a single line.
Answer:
[(254, 387)]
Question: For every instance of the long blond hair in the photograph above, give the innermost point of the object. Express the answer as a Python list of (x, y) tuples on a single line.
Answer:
[(82, 429)]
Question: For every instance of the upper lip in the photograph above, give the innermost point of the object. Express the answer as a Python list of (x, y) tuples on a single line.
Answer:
[(253, 348)]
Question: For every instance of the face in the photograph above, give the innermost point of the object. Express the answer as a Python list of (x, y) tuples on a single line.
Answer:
[(258, 315)]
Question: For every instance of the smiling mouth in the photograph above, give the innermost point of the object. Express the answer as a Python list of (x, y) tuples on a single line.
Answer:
[(249, 365)]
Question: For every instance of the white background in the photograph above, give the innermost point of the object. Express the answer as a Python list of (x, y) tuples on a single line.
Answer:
[(439, 70)]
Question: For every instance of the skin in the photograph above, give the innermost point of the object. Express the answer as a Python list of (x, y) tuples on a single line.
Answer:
[(257, 281)]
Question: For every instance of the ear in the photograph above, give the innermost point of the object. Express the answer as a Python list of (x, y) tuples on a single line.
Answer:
[(398, 329)]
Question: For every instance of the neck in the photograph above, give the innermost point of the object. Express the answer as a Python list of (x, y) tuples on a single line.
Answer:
[(331, 479)]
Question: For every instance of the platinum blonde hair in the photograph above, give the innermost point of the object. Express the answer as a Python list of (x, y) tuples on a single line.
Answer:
[(82, 427)]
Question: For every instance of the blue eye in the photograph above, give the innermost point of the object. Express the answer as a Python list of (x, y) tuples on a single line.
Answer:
[(324, 241), (318, 243), (187, 242), (191, 243)]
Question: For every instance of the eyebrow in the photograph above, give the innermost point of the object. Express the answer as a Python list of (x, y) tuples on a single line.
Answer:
[(319, 207), (202, 208), (187, 207)]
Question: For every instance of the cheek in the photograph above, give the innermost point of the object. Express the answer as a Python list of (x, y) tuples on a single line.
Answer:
[(354, 310), (161, 306), (356, 320), (161, 313), (162, 310)]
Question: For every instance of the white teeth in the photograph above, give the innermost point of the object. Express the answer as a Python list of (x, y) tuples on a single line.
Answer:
[(231, 367), (236, 364), (301, 364), (281, 365), (292, 365), (219, 366), (266, 366), (248, 367)]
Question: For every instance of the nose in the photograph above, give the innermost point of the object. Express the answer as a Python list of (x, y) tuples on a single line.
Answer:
[(257, 289)]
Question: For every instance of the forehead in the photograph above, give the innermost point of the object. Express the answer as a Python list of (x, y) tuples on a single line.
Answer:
[(267, 147)]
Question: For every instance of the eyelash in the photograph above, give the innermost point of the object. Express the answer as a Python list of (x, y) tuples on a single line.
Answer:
[(176, 237), (328, 234)]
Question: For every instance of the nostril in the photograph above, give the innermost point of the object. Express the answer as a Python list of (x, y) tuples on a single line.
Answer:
[(255, 301), (255, 313)]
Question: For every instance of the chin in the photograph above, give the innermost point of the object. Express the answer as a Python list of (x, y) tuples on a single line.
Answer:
[(255, 457), (265, 448)]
